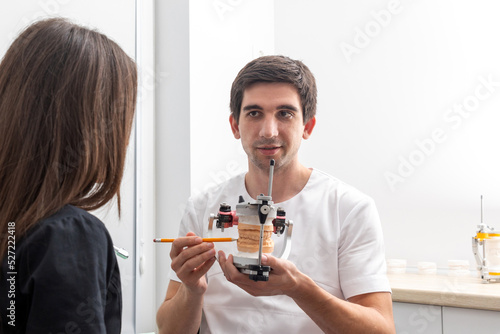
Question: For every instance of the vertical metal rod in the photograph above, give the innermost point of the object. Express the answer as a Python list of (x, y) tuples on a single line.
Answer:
[(261, 240), (271, 173), (269, 193)]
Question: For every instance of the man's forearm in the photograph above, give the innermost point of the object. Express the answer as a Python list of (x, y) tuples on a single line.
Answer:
[(181, 313), (334, 315)]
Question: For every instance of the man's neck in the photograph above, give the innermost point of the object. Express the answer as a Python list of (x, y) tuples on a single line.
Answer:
[(286, 182)]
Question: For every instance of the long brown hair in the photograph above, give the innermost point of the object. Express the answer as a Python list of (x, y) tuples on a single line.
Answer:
[(67, 100)]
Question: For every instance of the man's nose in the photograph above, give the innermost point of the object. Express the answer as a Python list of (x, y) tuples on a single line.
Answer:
[(269, 128)]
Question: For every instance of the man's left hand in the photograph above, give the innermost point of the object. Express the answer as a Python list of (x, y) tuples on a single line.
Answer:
[(283, 277)]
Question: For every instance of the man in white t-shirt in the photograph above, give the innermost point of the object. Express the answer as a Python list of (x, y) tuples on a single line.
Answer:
[(334, 279)]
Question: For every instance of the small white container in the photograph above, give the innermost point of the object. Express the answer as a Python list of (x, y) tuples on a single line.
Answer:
[(427, 268), (458, 268), (396, 266)]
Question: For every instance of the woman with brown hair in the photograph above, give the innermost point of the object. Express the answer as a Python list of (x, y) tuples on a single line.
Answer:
[(67, 102)]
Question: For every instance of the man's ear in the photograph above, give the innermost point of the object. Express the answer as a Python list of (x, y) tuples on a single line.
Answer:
[(234, 127), (308, 128)]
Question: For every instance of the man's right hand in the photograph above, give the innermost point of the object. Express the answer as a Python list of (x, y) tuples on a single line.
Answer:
[(191, 259), (182, 309)]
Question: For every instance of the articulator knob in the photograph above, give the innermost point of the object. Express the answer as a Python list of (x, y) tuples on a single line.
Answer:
[(225, 218), (280, 221)]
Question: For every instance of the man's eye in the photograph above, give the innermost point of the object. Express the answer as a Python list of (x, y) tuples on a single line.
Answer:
[(286, 114), (254, 113)]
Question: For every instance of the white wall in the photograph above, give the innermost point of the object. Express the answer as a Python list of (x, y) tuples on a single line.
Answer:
[(398, 89), (381, 101), (224, 36)]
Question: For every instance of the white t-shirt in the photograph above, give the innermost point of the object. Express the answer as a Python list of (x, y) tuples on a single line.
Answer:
[(336, 240)]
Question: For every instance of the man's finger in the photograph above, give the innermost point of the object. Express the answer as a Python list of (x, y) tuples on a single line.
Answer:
[(182, 242), (193, 257)]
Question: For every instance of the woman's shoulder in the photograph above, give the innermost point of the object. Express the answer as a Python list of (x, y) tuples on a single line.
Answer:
[(70, 213), (71, 220), (69, 228)]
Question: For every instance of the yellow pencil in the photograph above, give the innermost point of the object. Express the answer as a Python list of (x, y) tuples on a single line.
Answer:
[(204, 239)]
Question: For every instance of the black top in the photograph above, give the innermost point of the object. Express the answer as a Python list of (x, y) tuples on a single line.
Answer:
[(65, 280)]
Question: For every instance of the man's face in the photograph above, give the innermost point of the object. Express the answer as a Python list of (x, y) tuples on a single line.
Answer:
[(271, 125)]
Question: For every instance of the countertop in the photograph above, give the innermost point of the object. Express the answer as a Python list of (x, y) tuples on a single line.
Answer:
[(443, 290)]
